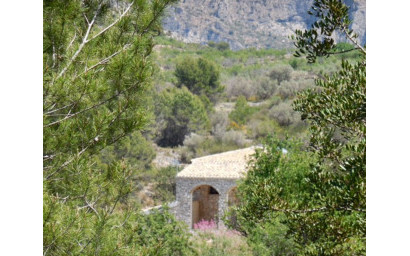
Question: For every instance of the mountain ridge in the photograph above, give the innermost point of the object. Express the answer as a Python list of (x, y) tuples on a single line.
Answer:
[(245, 24)]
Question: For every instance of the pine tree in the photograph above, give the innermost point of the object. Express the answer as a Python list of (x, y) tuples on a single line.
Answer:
[(97, 70)]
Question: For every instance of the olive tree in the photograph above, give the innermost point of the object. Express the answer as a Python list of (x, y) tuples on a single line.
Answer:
[(325, 212)]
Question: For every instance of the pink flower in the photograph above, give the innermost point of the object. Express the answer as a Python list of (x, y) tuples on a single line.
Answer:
[(205, 225)]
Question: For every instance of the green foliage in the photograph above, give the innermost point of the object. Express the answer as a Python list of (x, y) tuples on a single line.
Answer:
[(134, 148), (96, 73), (200, 76), (284, 114), (165, 184), (289, 89), (266, 88), (260, 128), (322, 195), (275, 180), (242, 111), (197, 146), (281, 73), (332, 17), (154, 235), (269, 238), (337, 114), (218, 243), (221, 46), (338, 126), (179, 112)]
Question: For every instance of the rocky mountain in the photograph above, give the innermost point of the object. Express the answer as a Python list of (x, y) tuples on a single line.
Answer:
[(248, 23)]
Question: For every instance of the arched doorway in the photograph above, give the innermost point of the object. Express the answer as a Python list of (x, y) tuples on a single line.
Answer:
[(204, 204)]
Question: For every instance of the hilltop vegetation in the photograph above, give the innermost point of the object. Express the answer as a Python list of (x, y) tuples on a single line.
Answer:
[(210, 99), (113, 103)]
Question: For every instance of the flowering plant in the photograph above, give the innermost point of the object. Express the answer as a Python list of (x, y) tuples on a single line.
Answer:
[(205, 225)]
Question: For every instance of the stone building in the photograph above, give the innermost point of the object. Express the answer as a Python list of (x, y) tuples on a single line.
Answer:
[(206, 187)]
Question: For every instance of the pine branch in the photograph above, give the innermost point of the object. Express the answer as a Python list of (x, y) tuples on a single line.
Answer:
[(84, 42), (112, 24)]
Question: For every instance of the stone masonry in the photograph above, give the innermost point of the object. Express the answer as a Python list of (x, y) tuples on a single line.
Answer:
[(202, 188)]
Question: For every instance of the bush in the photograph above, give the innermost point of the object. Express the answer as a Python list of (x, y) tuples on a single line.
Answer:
[(220, 242), (204, 225), (179, 113), (220, 122), (221, 46), (284, 114), (197, 146), (289, 89), (262, 128), (242, 111), (281, 73), (269, 238), (276, 176), (266, 88), (240, 86), (236, 138), (200, 76), (153, 235), (192, 140)]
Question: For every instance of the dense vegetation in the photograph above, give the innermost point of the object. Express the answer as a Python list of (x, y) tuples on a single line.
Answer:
[(317, 198), (97, 70), (105, 126)]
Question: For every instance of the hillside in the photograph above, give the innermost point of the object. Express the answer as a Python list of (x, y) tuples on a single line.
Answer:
[(244, 24)]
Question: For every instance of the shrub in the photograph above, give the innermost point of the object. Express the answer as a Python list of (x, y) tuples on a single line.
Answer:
[(266, 88), (200, 76), (281, 73), (240, 86), (220, 122), (192, 141), (204, 225), (242, 111), (153, 235), (221, 46), (262, 128), (186, 155), (179, 113), (269, 238), (276, 176), (284, 114), (210, 145), (289, 89), (234, 138), (220, 242)]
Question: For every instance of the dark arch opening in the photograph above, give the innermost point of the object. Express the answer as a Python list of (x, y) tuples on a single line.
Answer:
[(205, 204)]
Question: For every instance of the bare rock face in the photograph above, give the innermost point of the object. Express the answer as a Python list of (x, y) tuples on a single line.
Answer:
[(248, 23)]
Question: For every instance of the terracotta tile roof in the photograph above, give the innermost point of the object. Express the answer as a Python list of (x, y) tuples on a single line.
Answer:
[(231, 165)]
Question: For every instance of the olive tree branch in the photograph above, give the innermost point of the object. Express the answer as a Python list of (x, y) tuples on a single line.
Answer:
[(352, 40)]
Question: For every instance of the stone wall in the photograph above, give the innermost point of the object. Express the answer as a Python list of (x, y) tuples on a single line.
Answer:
[(184, 188)]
